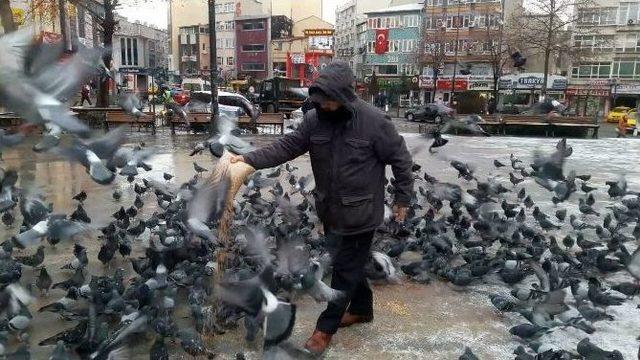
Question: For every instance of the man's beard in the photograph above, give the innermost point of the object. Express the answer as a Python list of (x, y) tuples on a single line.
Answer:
[(340, 114)]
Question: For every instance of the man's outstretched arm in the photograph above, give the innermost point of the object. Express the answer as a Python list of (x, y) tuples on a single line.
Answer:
[(284, 149)]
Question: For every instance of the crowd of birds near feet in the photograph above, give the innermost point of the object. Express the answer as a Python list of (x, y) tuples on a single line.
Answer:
[(563, 273)]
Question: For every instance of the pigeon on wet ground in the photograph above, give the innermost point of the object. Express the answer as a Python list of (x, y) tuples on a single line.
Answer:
[(44, 281)]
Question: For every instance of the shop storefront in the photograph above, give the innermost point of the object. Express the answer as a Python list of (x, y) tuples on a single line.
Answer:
[(590, 98), (626, 95), (133, 79), (525, 89)]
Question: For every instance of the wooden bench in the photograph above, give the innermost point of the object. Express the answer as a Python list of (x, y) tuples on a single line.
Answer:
[(535, 121), (271, 121), (574, 122), (201, 119), (492, 121), (265, 121), (94, 117), (116, 118)]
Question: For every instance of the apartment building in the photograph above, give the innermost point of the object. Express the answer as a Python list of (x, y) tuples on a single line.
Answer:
[(606, 72)]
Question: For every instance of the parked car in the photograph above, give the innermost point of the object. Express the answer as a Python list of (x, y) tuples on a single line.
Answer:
[(181, 97), (619, 112), (433, 112), (229, 99)]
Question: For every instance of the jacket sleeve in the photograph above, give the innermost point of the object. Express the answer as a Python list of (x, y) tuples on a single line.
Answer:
[(392, 150), (284, 149)]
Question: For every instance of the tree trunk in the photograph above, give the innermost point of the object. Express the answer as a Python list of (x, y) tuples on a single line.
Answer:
[(543, 90), (108, 30), (547, 49), (63, 24), (6, 16)]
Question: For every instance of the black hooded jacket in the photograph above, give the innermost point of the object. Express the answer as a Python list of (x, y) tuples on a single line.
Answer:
[(348, 156)]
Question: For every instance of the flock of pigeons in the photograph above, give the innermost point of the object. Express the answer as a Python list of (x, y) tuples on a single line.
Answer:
[(464, 232)]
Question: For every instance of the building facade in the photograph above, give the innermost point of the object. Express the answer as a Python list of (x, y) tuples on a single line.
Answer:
[(82, 27), (253, 41), (401, 60), (607, 71), (459, 42), (183, 13), (349, 14), (306, 51), (138, 51)]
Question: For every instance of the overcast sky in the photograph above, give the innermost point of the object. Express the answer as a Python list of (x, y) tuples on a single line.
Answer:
[(155, 11)]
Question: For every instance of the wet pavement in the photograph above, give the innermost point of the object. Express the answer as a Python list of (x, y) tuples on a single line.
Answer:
[(412, 321)]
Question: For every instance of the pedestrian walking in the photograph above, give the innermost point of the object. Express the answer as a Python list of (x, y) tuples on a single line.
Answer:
[(85, 94), (350, 143)]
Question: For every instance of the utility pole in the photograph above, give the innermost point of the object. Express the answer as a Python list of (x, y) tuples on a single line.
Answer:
[(213, 65), (455, 56)]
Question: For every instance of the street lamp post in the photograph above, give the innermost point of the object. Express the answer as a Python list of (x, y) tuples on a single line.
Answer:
[(455, 55), (213, 65)]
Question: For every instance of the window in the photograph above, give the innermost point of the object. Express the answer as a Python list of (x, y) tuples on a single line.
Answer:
[(598, 16), (253, 26), (596, 43), (135, 51), (204, 47), (123, 49), (253, 67), (252, 47), (465, 20), (230, 60), (129, 54), (627, 13), (387, 69), (219, 60), (594, 70), (225, 25), (224, 8)]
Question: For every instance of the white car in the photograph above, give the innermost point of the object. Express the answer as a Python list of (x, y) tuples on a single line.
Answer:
[(200, 99)]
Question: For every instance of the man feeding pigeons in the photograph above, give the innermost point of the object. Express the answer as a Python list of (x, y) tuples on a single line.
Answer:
[(350, 143)]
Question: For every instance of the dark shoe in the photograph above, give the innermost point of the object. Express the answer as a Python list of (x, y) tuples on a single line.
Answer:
[(318, 342), (350, 319)]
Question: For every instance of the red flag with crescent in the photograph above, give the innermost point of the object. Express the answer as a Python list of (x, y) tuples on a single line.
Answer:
[(382, 41)]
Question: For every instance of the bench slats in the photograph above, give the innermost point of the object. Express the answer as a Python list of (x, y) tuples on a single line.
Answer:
[(122, 117), (275, 120)]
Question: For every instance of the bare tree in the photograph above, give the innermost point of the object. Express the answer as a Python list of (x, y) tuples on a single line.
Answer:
[(543, 28), (496, 45), (431, 49)]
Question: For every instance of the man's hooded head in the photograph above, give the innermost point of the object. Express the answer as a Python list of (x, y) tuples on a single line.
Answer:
[(334, 87)]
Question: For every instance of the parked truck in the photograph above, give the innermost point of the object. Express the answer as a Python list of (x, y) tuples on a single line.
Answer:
[(281, 95)]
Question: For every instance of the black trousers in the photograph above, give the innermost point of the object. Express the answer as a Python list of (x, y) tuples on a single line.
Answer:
[(85, 97), (350, 254)]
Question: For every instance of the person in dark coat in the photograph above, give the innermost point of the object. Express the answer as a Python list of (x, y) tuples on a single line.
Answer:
[(85, 94), (350, 143)]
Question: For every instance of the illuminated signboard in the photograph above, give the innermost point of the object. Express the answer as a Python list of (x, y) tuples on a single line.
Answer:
[(318, 32)]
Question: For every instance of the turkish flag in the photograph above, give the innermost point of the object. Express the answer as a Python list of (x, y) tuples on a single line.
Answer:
[(382, 41)]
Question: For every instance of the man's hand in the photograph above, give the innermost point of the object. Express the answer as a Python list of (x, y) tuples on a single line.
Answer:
[(400, 213), (236, 158)]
